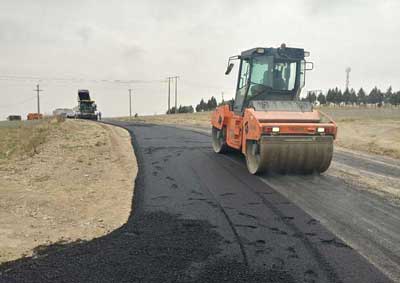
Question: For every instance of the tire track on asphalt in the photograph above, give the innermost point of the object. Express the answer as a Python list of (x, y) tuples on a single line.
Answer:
[(329, 271), (230, 223)]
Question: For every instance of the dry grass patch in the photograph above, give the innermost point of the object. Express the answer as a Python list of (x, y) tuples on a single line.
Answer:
[(373, 130), (62, 181), (20, 138)]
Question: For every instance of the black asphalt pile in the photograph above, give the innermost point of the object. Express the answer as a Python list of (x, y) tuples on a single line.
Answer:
[(233, 271), (155, 247)]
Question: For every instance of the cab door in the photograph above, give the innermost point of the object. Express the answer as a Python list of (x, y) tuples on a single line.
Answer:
[(235, 127)]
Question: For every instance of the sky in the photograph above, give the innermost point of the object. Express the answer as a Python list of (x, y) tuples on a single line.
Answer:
[(108, 47)]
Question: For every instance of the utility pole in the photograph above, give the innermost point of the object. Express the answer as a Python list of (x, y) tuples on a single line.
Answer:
[(130, 104), (37, 90), (348, 70), (169, 95), (222, 94), (176, 94)]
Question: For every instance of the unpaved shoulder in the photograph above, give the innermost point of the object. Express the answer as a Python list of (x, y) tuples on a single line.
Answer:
[(78, 186)]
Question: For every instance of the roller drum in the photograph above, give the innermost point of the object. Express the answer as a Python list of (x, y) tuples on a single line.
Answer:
[(290, 154)]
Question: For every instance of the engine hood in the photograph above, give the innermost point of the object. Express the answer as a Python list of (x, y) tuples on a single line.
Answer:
[(286, 116), (267, 111)]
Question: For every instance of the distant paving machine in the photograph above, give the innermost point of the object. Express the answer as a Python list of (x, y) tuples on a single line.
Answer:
[(86, 107), (267, 122)]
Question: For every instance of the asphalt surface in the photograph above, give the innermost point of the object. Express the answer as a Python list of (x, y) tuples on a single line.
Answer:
[(201, 217), (366, 221)]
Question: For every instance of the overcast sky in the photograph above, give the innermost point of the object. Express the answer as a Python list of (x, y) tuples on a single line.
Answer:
[(84, 42)]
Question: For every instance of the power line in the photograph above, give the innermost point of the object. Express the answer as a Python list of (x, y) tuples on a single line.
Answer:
[(77, 79), (29, 79)]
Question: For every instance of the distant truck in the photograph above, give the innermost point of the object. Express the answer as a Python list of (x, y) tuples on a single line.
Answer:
[(86, 107), (35, 116), (14, 118), (65, 112)]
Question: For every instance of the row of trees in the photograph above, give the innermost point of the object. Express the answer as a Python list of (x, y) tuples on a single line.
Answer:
[(211, 104), (181, 109), (333, 96), (351, 97)]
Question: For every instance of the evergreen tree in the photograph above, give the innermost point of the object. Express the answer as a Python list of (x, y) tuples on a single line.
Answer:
[(346, 96), (361, 97), (172, 110), (330, 98), (375, 96), (395, 98), (353, 97), (311, 97), (185, 109), (388, 94), (322, 99), (211, 103), (201, 106), (338, 96)]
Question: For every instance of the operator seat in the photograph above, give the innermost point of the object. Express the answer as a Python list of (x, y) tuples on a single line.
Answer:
[(279, 82)]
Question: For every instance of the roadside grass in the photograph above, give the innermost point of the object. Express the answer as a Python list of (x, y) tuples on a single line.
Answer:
[(374, 130), (24, 138), (352, 114)]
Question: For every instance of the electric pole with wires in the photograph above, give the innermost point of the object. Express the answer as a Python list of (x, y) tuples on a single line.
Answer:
[(176, 94), (38, 90), (169, 94), (130, 104)]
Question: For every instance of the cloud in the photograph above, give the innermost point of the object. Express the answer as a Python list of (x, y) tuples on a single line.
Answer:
[(133, 51), (127, 39), (325, 7), (85, 33)]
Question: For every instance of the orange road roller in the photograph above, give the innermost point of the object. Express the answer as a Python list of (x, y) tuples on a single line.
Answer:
[(267, 122)]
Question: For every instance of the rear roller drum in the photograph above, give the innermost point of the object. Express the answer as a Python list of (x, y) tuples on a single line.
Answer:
[(219, 140)]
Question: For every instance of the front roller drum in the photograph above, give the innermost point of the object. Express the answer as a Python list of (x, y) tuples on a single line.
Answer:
[(292, 154)]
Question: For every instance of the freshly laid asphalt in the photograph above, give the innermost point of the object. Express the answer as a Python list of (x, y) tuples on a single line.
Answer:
[(199, 217)]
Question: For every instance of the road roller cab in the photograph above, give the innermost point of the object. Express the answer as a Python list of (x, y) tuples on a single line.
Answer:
[(267, 122)]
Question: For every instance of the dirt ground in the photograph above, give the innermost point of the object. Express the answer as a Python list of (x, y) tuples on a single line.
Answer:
[(370, 130), (75, 182), (373, 130)]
